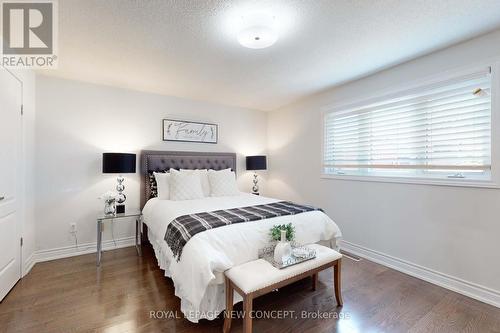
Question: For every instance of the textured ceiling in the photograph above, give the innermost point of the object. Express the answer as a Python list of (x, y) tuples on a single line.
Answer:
[(188, 48)]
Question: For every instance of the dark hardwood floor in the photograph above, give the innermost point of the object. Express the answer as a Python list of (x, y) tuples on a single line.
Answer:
[(72, 295)]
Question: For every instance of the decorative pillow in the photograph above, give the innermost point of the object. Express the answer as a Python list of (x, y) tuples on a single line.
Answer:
[(222, 183), (185, 186), (203, 174), (162, 185), (153, 188)]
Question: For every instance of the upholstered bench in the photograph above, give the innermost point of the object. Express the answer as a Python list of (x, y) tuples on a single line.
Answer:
[(259, 277)]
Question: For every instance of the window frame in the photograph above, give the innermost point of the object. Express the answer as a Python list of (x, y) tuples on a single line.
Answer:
[(392, 93)]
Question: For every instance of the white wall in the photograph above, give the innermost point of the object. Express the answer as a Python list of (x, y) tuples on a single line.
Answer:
[(449, 230), (77, 122)]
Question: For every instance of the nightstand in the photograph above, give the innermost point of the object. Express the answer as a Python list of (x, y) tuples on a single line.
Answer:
[(128, 214)]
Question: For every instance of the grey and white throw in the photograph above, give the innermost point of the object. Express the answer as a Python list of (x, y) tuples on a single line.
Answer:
[(180, 230)]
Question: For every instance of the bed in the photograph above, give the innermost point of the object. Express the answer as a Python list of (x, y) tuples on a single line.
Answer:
[(198, 274)]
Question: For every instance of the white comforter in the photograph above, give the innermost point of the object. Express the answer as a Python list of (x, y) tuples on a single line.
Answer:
[(208, 254)]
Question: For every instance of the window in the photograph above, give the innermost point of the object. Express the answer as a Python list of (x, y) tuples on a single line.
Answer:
[(441, 131)]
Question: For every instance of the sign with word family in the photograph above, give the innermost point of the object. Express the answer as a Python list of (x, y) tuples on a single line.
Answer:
[(188, 131)]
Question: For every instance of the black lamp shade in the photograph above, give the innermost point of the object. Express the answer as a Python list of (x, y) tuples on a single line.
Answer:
[(256, 162), (118, 163)]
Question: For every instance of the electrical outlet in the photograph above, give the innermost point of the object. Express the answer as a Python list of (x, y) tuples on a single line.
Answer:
[(72, 228)]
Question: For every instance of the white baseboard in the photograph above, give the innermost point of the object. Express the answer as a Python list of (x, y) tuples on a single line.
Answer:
[(458, 285), (28, 264), (71, 251)]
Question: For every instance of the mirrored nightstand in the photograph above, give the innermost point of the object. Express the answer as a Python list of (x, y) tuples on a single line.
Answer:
[(128, 214)]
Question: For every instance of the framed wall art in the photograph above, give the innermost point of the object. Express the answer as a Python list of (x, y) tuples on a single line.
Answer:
[(189, 131)]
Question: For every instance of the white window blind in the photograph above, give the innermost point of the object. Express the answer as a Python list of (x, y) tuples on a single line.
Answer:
[(442, 130)]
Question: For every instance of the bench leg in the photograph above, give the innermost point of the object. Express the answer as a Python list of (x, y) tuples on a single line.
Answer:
[(247, 308), (337, 282), (228, 316), (314, 281)]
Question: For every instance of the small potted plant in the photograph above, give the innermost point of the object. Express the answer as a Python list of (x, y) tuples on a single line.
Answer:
[(109, 202)]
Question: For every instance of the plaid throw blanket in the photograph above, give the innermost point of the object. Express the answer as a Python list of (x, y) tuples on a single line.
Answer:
[(180, 231)]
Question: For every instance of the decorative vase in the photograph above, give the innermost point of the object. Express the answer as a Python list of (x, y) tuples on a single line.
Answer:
[(283, 249), (109, 207)]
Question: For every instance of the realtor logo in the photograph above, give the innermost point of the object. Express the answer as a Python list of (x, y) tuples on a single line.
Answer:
[(29, 34)]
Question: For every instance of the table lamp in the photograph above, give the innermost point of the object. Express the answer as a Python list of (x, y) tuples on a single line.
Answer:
[(119, 163), (255, 163)]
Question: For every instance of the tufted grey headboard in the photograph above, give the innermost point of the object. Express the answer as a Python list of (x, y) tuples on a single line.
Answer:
[(152, 160)]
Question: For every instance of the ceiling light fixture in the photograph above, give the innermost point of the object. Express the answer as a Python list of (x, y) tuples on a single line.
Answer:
[(257, 31)]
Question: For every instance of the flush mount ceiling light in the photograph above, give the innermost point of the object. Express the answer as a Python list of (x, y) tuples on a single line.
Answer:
[(257, 31)]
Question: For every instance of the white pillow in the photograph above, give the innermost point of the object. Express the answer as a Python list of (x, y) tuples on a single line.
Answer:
[(162, 185), (203, 174), (222, 183), (185, 186)]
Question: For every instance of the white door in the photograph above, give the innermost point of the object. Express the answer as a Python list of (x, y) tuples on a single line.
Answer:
[(10, 188)]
